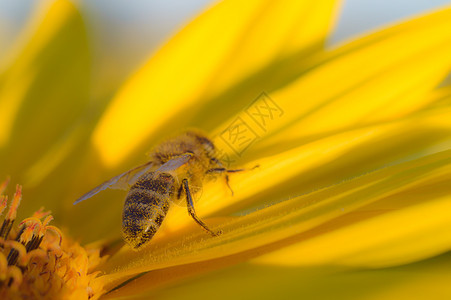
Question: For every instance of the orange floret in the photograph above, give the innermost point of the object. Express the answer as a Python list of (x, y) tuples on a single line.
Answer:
[(38, 262)]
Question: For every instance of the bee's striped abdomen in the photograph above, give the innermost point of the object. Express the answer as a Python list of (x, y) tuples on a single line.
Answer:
[(145, 207)]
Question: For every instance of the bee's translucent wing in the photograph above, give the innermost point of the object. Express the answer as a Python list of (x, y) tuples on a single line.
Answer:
[(121, 182), (174, 163)]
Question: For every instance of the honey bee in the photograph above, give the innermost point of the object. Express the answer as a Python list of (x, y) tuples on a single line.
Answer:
[(175, 168)]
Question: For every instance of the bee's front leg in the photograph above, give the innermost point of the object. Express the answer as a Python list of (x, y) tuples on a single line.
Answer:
[(192, 212), (226, 171)]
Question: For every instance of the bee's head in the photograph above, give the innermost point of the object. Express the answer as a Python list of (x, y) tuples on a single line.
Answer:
[(205, 143)]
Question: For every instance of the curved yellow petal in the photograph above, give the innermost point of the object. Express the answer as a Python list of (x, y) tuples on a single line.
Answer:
[(440, 97), (282, 29), (320, 163), (383, 76), (419, 280), (198, 61), (44, 89), (57, 152), (282, 224), (392, 238)]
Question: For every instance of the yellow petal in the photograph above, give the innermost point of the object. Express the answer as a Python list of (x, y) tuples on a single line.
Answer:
[(393, 238), (320, 163), (250, 281), (282, 224), (53, 158), (184, 71), (383, 76), (440, 97), (44, 90), (281, 30)]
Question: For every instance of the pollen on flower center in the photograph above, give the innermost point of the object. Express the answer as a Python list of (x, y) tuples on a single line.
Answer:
[(38, 262)]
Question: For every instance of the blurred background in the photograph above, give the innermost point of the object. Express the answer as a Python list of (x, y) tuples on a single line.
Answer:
[(125, 33)]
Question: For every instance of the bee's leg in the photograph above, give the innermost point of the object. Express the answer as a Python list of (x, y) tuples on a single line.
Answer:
[(221, 170), (192, 212), (228, 184), (226, 171), (179, 193)]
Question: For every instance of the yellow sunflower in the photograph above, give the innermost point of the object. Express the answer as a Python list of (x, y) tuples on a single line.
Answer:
[(351, 198)]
